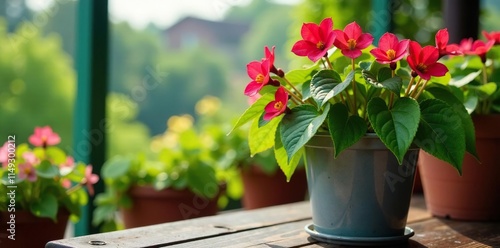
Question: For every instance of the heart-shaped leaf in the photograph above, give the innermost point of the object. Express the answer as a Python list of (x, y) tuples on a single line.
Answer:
[(458, 107), (299, 126), (396, 127), (47, 170), (327, 84), (440, 132), (45, 206), (393, 84), (345, 130), (281, 156), (262, 138)]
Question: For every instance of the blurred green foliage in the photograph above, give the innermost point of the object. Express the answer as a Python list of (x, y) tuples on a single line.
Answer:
[(37, 85)]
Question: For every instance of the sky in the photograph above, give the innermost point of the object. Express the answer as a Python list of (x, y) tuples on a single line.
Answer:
[(163, 13)]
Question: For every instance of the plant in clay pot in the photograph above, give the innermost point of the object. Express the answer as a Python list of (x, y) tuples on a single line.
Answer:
[(42, 187), (178, 180), (358, 116), (474, 79)]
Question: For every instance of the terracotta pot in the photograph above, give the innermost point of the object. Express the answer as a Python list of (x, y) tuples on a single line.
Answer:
[(263, 190), (31, 231), (150, 206), (474, 195)]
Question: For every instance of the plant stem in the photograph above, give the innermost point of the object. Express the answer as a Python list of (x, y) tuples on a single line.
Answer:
[(391, 99), (421, 89), (295, 98), (414, 92), (354, 88), (485, 74), (328, 63), (409, 86), (293, 87)]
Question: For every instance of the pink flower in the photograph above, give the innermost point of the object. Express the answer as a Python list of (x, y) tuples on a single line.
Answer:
[(44, 136), (253, 99), (351, 41), (480, 48), (442, 38), (269, 55), (494, 35), (423, 61), (27, 169), (4, 155), (66, 183), (316, 40), (390, 49), (278, 106), (259, 73), (90, 179), (66, 167), (466, 45)]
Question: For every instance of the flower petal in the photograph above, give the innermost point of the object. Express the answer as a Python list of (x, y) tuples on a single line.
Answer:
[(310, 32), (352, 30), (437, 70), (352, 53), (364, 41), (253, 88), (253, 69)]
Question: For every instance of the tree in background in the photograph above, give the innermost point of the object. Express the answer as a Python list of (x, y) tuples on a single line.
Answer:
[(37, 85)]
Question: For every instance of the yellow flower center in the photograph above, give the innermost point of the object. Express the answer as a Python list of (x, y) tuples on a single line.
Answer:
[(320, 45), (259, 79), (351, 43), (278, 105), (421, 67), (391, 54)]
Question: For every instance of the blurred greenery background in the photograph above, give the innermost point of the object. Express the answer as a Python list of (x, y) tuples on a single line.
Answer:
[(157, 71)]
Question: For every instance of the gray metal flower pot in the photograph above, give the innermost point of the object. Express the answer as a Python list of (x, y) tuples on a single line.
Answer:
[(363, 193)]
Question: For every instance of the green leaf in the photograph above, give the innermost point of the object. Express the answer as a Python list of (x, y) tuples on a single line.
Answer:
[(384, 73), (299, 126), (47, 170), (202, 181), (46, 206), (460, 81), (254, 111), (484, 91), (440, 132), (327, 84), (345, 130), (288, 167), (393, 84), (116, 167), (466, 120), (396, 127), (56, 155), (300, 75), (262, 138)]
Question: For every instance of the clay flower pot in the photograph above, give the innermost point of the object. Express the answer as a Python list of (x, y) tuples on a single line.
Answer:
[(150, 206), (474, 195), (263, 190)]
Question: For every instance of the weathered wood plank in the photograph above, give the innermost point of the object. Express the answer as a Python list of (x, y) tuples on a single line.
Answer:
[(193, 229)]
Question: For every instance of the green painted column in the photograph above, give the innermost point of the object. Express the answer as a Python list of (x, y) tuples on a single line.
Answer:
[(89, 121), (382, 20)]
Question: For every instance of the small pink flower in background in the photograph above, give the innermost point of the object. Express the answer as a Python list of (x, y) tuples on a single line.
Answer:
[(4, 155), (66, 167), (66, 183), (44, 136), (390, 49), (27, 169), (316, 40), (278, 106), (495, 36), (90, 179), (442, 38), (259, 73), (351, 41), (253, 99), (423, 61), (466, 45), (480, 48)]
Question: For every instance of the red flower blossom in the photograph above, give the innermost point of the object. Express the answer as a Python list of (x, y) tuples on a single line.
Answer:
[(480, 48), (316, 40), (423, 61), (278, 106), (259, 73), (44, 136), (442, 38), (351, 41), (4, 155), (466, 45), (269, 55), (495, 35), (90, 179), (390, 49)]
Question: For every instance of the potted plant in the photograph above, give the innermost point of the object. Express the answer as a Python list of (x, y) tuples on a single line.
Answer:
[(41, 188), (177, 181), (359, 121), (475, 80)]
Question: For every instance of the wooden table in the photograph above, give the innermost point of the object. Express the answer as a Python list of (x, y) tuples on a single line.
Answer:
[(283, 226)]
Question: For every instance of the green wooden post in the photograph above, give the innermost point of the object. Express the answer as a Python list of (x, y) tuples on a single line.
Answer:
[(89, 122), (382, 18)]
